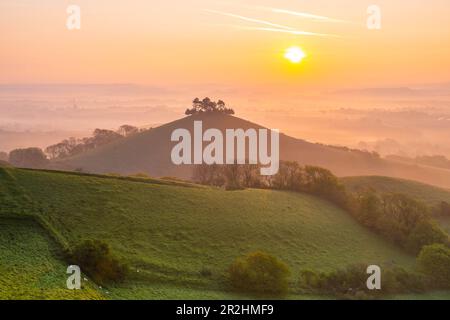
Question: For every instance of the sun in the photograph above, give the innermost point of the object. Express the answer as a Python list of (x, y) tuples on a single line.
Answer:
[(294, 54)]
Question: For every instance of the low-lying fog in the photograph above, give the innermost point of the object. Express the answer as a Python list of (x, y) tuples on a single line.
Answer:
[(400, 121)]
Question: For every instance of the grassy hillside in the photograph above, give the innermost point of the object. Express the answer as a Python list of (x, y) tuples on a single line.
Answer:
[(169, 233), (428, 194), (30, 267)]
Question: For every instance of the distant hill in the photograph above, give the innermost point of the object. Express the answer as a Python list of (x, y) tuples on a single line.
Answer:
[(175, 233), (149, 152), (382, 92)]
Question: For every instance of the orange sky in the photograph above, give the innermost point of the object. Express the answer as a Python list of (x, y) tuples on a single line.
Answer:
[(202, 41)]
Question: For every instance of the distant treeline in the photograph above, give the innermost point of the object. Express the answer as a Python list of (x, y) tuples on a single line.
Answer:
[(39, 159), (397, 217), (437, 161), (72, 146)]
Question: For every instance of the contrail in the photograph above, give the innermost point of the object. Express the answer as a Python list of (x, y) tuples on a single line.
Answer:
[(278, 26), (290, 12), (306, 15), (296, 32)]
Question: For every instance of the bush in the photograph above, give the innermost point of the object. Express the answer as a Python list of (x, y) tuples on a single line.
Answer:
[(369, 209), (206, 272), (425, 233), (350, 282), (442, 210), (346, 281), (309, 279), (95, 259), (399, 280), (259, 273), (434, 261)]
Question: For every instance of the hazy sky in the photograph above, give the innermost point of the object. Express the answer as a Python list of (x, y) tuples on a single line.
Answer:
[(175, 42)]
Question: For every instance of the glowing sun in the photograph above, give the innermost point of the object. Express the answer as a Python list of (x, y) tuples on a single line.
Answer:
[(294, 54)]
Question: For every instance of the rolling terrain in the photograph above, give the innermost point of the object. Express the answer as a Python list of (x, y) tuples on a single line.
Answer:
[(178, 238), (149, 152), (430, 195)]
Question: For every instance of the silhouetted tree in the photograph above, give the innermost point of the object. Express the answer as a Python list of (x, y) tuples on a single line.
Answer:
[(207, 105), (127, 130), (62, 149), (28, 158), (95, 258), (233, 177), (3, 156), (209, 175)]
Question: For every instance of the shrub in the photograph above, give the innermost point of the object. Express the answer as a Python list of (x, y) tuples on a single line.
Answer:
[(259, 273), (95, 259), (322, 182), (425, 233), (398, 280), (346, 281), (206, 272), (350, 282), (309, 279), (368, 209), (434, 261)]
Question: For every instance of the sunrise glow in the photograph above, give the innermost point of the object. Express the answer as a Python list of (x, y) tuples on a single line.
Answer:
[(294, 54)]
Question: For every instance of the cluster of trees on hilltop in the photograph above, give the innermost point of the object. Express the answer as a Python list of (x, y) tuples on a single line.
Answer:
[(207, 105)]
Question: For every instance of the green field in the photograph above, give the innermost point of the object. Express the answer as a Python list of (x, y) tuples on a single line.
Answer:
[(169, 233), (30, 267)]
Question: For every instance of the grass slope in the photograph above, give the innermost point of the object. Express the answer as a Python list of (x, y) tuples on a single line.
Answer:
[(428, 194), (170, 232), (29, 266)]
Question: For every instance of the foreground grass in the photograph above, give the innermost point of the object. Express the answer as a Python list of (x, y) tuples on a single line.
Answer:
[(186, 237), (30, 267)]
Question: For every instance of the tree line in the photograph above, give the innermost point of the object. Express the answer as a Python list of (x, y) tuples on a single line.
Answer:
[(39, 159)]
